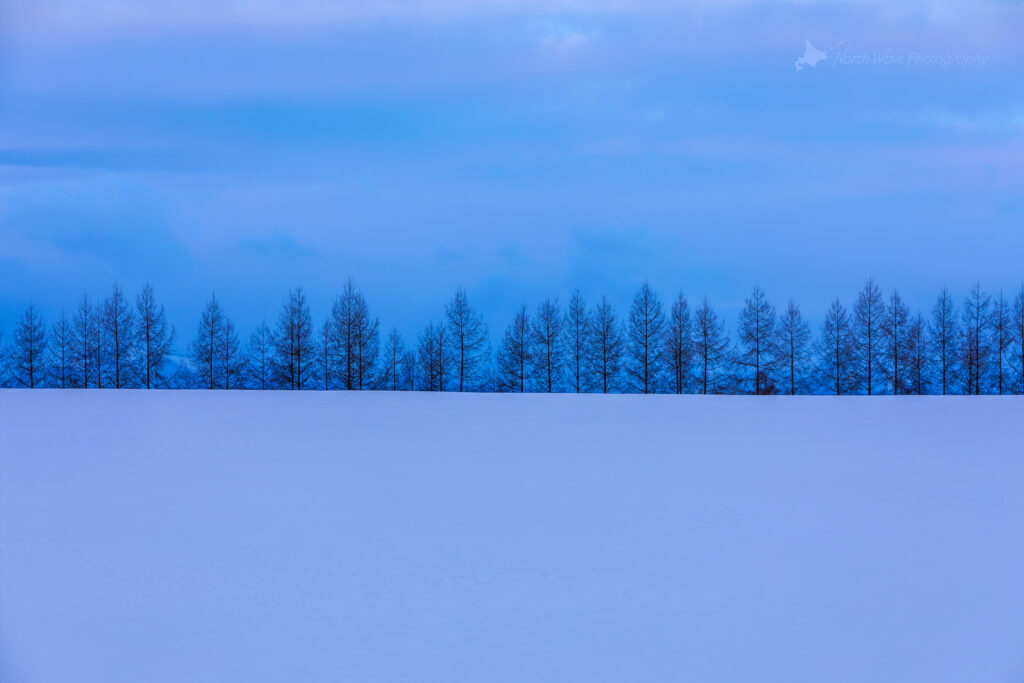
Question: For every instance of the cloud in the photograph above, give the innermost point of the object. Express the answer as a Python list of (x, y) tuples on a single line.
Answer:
[(104, 18), (104, 223), (453, 142), (995, 122), (80, 56), (560, 36), (97, 18), (276, 246)]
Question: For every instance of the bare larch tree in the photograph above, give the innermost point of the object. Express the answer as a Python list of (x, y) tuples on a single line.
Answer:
[(391, 367), (514, 360), (645, 333), (605, 347), (205, 350), (677, 346), (917, 357), (944, 334), (1002, 341), (895, 344), (576, 328), (711, 350), (353, 343), (548, 352), (154, 338), (793, 349), (61, 354), (117, 322), (294, 347), (100, 348), (28, 350), (975, 340), (259, 358), (469, 339), (231, 360), (757, 344), (82, 340), (835, 350), (1017, 354), (367, 351), (868, 316), (434, 358)]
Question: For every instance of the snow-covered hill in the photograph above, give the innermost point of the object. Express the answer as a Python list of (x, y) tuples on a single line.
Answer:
[(182, 537)]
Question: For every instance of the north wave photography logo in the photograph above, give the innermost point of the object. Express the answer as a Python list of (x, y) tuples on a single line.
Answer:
[(841, 55), (810, 57)]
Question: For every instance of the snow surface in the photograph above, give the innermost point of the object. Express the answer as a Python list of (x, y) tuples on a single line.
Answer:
[(179, 537)]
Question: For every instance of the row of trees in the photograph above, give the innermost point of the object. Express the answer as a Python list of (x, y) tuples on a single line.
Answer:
[(876, 346)]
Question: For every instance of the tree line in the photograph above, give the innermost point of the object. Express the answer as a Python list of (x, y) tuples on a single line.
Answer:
[(876, 346)]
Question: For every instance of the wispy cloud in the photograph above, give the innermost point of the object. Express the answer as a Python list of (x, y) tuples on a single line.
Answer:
[(1004, 121), (85, 18), (297, 138)]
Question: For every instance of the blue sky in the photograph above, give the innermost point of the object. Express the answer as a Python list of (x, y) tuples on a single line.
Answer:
[(518, 149)]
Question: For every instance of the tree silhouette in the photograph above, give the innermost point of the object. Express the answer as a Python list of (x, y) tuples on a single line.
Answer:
[(28, 350), (546, 336), (645, 330), (793, 349), (515, 355), (868, 315), (835, 349), (944, 333), (294, 350), (677, 346), (576, 328), (711, 350), (468, 337), (757, 344), (154, 338)]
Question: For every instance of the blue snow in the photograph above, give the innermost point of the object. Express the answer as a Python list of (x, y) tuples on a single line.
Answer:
[(178, 537)]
